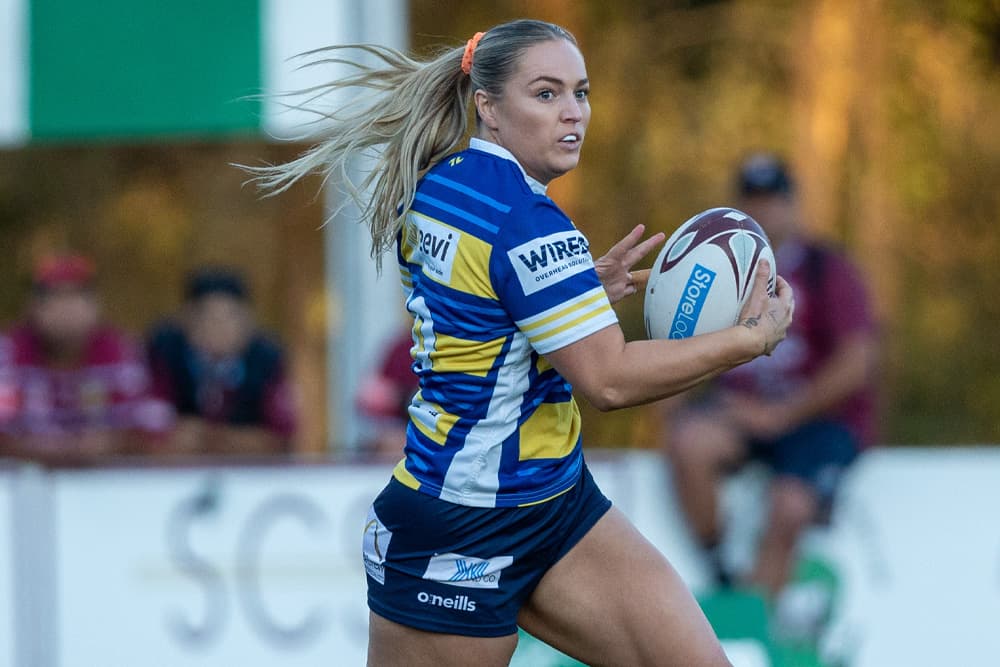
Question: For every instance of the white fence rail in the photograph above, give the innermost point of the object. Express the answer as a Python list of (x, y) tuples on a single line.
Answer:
[(192, 567)]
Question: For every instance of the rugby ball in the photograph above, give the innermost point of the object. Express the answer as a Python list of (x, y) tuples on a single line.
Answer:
[(704, 274)]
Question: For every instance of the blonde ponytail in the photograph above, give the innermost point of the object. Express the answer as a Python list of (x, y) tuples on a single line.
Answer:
[(406, 115)]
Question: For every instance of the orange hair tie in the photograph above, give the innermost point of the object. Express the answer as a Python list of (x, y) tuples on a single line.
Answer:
[(470, 48)]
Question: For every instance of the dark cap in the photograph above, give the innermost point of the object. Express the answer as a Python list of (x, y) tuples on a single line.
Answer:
[(64, 270), (764, 174), (205, 282)]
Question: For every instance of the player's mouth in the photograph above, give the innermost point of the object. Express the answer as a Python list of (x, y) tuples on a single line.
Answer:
[(571, 140)]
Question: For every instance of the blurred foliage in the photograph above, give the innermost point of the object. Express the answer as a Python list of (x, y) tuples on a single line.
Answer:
[(885, 109)]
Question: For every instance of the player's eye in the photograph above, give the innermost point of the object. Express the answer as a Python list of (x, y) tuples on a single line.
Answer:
[(546, 95), (583, 93)]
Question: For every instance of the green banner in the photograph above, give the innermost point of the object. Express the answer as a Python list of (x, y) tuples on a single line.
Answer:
[(128, 68)]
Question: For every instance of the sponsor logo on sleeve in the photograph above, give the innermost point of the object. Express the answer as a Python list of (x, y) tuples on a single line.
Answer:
[(436, 248), (374, 545), (466, 571), (692, 299), (547, 260)]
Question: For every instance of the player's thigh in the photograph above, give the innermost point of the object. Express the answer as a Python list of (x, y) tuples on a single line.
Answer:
[(393, 645), (615, 600)]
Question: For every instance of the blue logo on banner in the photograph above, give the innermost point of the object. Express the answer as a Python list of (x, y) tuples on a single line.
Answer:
[(692, 299)]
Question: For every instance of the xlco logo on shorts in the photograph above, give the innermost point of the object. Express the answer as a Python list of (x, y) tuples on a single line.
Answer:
[(466, 571)]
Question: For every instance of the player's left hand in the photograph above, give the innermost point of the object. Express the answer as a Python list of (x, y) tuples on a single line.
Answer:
[(614, 268)]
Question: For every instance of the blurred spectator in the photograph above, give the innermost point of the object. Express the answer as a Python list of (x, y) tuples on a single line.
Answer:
[(805, 412), (384, 399), (225, 378), (73, 390)]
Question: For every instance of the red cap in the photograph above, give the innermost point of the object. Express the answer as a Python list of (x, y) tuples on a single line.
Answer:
[(58, 270)]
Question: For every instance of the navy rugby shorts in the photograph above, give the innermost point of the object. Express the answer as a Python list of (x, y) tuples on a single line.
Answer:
[(442, 567)]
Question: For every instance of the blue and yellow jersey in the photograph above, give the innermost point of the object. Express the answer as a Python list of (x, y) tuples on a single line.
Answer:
[(495, 276)]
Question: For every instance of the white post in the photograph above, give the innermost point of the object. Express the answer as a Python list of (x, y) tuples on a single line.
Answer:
[(364, 310), (14, 68)]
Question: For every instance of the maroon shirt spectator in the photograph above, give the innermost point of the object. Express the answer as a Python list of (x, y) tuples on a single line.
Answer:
[(73, 389), (805, 412), (831, 305)]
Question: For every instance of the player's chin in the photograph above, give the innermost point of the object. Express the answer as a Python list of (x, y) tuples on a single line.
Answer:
[(565, 164)]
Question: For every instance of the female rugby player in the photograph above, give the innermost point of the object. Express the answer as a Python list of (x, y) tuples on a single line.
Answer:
[(491, 520)]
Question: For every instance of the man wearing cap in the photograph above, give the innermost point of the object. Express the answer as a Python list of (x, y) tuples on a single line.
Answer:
[(226, 379), (805, 412), (73, 390)]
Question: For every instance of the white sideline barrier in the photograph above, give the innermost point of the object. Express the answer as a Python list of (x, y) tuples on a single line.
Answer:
[(247, 566), (917, 541), (258, 566), (207, 567)]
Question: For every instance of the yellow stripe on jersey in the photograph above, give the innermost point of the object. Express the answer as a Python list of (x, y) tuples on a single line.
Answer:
[(556, 321), (568, 326), (551, 432), (406, 280), (550, 316), (405, 477), (545, 500), (418, 332), (431, 420), (459, 355), (471, 272)]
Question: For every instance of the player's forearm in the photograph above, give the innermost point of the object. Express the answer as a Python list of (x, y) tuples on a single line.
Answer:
[(648, 370), (656, 369)]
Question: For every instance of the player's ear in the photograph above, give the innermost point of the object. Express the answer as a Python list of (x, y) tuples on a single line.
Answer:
[(486, 108)]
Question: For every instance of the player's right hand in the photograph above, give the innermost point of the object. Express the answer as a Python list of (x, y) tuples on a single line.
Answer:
[(766, 315)]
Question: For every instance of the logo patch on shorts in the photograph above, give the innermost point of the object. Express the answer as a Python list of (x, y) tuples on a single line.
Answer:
[(374, 546), (466, 571), (547, 260)]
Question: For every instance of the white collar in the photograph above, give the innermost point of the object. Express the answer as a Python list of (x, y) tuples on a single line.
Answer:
[(500, 151)]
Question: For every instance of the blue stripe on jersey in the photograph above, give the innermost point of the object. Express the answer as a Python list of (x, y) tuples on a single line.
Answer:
[(465, 190), (474, 318), (488, 307), (448, 208)]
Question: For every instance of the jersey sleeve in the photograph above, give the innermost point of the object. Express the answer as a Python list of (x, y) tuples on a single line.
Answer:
[(543, 274)]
